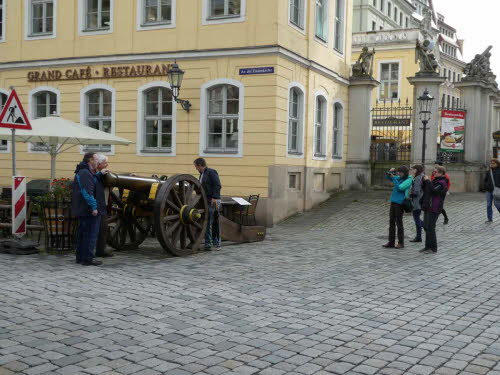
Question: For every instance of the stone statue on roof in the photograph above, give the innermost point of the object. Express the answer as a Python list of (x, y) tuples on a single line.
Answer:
[(424, 55), (363, 68), (479, 68)]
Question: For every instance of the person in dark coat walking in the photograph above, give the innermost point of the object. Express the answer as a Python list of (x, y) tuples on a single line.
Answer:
[(88, 205), (432, 204), (489, 186), (210, 181)]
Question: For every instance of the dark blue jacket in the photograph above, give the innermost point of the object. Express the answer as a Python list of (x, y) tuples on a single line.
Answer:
[(211, 183), (88, 192)]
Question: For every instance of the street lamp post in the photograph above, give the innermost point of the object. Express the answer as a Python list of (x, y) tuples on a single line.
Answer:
[(175, 76), (425, 105)]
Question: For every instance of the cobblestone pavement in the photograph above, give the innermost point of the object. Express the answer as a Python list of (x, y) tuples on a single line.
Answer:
[(320, 296)]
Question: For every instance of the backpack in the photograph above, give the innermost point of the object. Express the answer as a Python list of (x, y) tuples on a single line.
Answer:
[(496, 189)]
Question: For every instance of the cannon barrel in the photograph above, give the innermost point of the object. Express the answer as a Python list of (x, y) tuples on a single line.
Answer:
[(134, 183)]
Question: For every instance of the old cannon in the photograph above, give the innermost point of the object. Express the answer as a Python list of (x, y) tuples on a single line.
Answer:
[(175, 209)]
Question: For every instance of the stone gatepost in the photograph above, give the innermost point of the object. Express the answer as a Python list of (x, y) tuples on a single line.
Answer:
[(358, 169), (421, 82), (478, 97)]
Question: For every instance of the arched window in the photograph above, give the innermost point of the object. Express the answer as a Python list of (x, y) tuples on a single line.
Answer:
[(319, 127), (223, 118), (295, 121), (44, 104), (3, 100), (98, 114), (338, 124), (157, 120)]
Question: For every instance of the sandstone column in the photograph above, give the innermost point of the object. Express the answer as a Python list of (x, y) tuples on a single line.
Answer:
[(358, 170)]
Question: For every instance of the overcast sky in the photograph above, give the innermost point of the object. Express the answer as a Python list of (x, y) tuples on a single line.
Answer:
[(478, 23)]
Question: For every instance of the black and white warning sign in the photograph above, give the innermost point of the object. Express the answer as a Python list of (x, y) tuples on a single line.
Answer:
[(13, 115)]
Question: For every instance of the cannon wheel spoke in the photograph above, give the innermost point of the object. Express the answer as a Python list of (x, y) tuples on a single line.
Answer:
[(127, 233), (179, 238)]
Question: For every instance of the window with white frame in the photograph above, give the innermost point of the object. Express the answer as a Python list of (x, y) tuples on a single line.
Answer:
[(389, 9), (295, 121), (338, 123), (382, 5), (3, 100), (156, 12), (224, 8), (297, 13), (319, 127), (44, 104), (98, 114), (338, 43), (374, 26), (97, 15), (41, 17), (395, 14), (389, 81), (158, 120), (407, 22), (223, 119), (322, 19)]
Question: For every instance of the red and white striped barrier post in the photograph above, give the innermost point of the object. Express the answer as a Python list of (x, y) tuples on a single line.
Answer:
[(19, 206)]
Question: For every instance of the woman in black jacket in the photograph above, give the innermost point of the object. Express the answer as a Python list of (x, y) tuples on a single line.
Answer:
[(489, 186)]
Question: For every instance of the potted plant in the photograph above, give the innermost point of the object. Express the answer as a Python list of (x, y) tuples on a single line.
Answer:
[(54, 210)]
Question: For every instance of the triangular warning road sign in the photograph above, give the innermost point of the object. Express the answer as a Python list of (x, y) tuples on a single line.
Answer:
[(13, 115)]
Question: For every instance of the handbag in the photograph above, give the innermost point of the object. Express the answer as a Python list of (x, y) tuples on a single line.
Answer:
[(496, 189)]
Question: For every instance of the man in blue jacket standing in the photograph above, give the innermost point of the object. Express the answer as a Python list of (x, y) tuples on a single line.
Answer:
[(402, 183), (210, 181), (88, 205)]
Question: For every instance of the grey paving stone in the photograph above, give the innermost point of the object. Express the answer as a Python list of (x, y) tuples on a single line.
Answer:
[(318, 296)]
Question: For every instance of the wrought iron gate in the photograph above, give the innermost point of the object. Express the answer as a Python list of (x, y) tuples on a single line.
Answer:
[(391, 131)]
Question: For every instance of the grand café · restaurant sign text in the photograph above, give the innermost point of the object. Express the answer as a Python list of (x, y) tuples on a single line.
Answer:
[(103, 72)]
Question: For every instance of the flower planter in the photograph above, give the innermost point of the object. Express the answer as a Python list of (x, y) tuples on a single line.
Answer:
[(59, 226)]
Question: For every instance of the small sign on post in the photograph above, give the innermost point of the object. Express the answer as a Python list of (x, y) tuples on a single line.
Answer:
[(13, 117), (19, 206)]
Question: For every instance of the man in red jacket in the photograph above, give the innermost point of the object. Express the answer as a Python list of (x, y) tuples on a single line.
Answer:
[(448, 181)]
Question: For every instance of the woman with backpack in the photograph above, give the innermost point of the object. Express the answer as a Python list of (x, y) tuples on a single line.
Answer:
[(432, 204), (402, 183), (491, 181), (416, 193)]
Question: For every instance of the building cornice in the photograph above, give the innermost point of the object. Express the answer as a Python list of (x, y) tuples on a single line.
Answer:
[(274, 50)]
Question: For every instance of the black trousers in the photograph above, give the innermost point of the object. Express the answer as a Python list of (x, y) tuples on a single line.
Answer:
[(430, 220), (396, 220), (100, 248), (444, 214)]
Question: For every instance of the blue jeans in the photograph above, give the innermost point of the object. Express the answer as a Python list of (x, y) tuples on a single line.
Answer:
[(489, 205), (418, 223), (212, 234), (86, 238)]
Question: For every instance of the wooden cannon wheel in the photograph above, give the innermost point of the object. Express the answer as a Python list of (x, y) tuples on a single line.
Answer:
[(180, 214), (126, 230)]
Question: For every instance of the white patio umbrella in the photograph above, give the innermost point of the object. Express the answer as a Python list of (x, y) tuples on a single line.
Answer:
[(60, 135)]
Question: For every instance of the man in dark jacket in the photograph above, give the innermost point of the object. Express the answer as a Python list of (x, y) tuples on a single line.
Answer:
[(88, 205), (210, 181), (489, 185), (100, 249), (432, 205)]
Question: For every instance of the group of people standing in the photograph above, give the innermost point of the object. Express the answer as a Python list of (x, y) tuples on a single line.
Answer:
[(419, 193)]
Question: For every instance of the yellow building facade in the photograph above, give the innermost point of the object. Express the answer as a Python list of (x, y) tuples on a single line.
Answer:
[(268, 82)]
